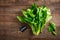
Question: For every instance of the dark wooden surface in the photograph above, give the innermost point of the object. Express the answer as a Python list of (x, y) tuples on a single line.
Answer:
[(9, 25)]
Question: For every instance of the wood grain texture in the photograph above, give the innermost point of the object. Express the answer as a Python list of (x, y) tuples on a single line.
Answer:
[(26, 2), (9, 25)]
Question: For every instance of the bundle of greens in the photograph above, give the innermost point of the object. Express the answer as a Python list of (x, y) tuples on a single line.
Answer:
[(36, 17), (52, 28)]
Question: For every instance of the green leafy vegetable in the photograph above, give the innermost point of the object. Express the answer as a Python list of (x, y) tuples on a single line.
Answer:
[(36, 17), (21, 19), (52, 28)]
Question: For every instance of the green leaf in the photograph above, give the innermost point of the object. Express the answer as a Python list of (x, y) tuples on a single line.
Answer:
[(24, 13), (28, 20), (34, 6), (52, 28), (52, 25), (48, 18), (30, 12), (54, 33), (21, 19)]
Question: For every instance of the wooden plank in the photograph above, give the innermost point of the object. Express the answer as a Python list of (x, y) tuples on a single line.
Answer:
[(25, 2), (13, 8), (6, 2), (11, 26), (22, 2), (8, 18), (54, 1), (15, 2), (27, 34)]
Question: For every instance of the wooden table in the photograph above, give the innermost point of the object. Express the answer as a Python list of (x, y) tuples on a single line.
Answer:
[(9, 25)]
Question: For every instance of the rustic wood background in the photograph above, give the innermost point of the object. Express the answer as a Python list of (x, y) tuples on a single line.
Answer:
[(9, 25)]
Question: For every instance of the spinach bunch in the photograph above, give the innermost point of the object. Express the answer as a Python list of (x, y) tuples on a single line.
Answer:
[(52, 28), (36, 17)]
